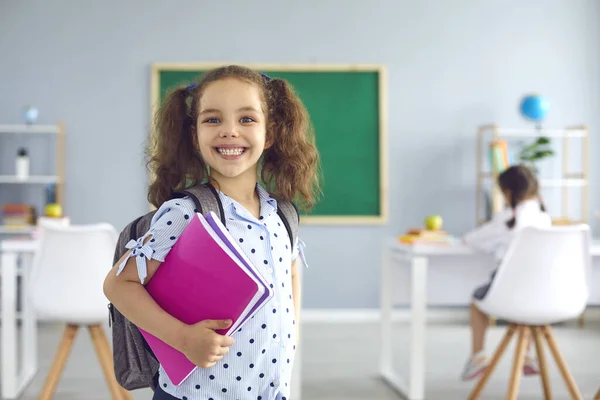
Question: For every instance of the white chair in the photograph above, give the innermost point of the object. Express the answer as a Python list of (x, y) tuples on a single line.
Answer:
[(543, 279), (66, 286)]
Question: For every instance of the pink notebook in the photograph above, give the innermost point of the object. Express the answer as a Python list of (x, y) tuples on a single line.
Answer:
[(205, 276)]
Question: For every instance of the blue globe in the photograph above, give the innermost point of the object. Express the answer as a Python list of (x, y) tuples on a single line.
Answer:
[(31, 115), (534, 107)]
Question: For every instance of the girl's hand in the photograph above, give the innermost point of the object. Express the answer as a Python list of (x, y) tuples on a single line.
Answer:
[(202, 345)]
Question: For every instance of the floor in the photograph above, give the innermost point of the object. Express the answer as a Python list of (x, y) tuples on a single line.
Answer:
[(341, 361)]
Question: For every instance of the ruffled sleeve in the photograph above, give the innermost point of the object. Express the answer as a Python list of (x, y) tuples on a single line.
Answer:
[(166, 226), (299, 251)]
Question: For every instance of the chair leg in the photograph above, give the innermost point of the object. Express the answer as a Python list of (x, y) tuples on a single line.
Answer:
[(597, 395), (60, 360), (125, 395), (495, 359), (562, 365), (518, 362), (105, 357), (538, 337)]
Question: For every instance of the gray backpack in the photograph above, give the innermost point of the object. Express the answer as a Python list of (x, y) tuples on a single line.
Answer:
[(135, 364)]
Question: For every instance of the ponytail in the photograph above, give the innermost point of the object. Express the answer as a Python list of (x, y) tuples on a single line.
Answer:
[(542, 206), (513, 205), (173, 157), (290, 163)]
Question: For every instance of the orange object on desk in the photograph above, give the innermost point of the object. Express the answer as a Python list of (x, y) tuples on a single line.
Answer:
[(425, 236)]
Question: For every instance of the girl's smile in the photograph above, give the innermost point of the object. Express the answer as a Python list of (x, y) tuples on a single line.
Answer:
[(230, 151)]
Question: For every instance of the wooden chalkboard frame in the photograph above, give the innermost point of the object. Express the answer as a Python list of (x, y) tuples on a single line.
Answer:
[(382, 217)]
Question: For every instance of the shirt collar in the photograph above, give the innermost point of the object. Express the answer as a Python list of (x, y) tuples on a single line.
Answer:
[(266, 197), (268, 205)]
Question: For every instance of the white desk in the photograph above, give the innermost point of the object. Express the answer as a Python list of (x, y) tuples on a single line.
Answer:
[(417, 257), (13, 381)]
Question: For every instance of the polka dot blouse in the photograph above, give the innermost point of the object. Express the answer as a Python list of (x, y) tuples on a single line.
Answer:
[(259, 364)]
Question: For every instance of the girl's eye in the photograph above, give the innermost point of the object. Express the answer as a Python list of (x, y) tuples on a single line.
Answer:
[(247, 120), (211, 120)]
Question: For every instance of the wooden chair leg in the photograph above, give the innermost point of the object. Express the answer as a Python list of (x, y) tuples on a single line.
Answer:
[(495, 359), (581, 320), (125, 395), (562, 365), (518, 362), (105, 357), (538, 337), (60, 360)]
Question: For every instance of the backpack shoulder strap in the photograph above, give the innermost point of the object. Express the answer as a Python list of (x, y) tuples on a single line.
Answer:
[(288, 212), (205, 198)]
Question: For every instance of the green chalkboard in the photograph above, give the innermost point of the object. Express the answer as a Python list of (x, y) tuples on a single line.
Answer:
[(347, 107)]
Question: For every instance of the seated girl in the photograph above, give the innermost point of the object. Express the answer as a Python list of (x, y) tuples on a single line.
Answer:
[(520, 189)]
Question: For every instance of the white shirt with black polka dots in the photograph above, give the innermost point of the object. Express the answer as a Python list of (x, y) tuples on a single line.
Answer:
[(259, 364)]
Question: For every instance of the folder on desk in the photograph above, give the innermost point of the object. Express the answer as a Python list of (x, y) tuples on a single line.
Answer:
[(205, 276)]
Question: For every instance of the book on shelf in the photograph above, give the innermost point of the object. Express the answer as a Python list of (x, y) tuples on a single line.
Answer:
[(18, 216), (498, 155), (206, 275)]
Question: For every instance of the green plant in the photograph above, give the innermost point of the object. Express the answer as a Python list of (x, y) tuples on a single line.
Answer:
[(534, 152)]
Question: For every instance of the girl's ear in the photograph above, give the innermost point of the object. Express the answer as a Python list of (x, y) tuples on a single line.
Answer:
[(269, 141)]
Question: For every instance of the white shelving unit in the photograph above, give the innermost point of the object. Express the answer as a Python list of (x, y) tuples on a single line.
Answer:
[(58, 177), (31, 179), (566, 179), (40, 129)]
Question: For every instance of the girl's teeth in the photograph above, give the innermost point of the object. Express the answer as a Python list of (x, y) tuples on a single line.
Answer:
[(230, 152)]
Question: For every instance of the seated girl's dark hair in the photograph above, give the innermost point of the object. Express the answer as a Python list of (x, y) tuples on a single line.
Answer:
[(522, 184)]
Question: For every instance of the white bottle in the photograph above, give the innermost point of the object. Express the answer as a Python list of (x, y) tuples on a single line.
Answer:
[(22, 165)]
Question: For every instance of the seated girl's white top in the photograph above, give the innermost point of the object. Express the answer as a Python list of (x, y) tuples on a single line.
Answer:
[(495, 236), (259, 364)]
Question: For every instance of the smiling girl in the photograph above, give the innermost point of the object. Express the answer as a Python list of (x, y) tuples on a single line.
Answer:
[(227, 130)]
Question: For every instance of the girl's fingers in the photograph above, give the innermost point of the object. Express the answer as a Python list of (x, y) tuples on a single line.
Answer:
[(224, 350)]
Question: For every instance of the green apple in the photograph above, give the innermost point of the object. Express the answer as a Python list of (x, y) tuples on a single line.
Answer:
[(53, 210), (433, 222)]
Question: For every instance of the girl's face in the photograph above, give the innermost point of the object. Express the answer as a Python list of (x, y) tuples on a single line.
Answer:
[(231, 128)]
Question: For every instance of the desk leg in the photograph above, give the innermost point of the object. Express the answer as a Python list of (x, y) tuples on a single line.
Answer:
[(385, 350), (418, 328), (29, 323), (8, 263)]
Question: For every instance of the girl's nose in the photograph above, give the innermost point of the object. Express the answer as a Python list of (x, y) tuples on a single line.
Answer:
[(228, 130)]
